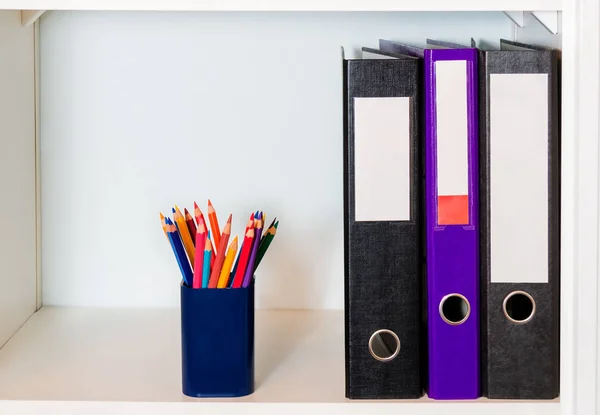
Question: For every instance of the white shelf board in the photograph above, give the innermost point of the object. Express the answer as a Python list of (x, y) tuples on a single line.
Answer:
[(285, 5), (128, 361)]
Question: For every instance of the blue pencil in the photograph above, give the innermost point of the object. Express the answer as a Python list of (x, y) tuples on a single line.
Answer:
[(179, 251), (206, 264)]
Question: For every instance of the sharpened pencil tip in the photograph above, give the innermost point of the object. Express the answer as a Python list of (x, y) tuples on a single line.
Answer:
[(162, 216), (196, 205), (174, 210), (230, 216)]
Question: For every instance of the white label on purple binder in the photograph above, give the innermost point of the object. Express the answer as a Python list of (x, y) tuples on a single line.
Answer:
[(382, 159), (451, 128), (452, 143), (519, 178)]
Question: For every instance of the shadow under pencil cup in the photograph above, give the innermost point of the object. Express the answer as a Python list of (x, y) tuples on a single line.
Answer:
[(217, 342)]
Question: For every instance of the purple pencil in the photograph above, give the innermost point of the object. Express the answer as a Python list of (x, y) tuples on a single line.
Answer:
[(250, 268)]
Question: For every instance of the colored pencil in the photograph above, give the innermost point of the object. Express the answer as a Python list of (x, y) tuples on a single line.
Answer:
[(182, 261), (198, 213), (199, 262), (214, 224), (190, 224), (243, 260), (206, 267), (164, 225), (224, 277), (200, 216), (268, 227), (250, 267), (216, 268), (185, 233), (265, 242), (249, 225)]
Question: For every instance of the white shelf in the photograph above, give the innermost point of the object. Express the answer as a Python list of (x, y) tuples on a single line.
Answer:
[(73, 359), (285, 5)]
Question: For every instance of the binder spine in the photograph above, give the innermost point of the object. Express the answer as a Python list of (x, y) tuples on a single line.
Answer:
[(382, 257), (346, 177), (452, 227), (483, 217), (520, 358)]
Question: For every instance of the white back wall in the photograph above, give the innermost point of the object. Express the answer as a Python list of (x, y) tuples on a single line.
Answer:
[(140, 111)]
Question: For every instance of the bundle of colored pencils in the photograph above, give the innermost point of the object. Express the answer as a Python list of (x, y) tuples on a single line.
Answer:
[(204, 259)]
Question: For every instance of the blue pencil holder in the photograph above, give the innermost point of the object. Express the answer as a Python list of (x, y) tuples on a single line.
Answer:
[(217, 341)]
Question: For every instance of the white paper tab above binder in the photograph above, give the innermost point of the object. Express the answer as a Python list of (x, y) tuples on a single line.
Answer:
[(382, 159), (519, 178)]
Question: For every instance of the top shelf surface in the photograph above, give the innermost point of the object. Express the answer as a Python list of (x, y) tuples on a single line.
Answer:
[(285, 5)]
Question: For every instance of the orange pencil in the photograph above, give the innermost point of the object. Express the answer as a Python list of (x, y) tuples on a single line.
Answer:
[(214, 224), (224, 277), (199, 262), (200, 217), (164, 225), (216, 269), (185, 233), (243, 259)]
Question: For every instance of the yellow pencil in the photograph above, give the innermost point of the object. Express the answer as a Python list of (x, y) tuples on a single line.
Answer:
[(224, 277), (185, 234)]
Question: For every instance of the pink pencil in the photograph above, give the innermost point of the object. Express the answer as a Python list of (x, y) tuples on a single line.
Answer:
[(199, 259)]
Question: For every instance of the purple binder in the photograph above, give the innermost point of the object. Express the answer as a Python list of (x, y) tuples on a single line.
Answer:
[(451, 218)]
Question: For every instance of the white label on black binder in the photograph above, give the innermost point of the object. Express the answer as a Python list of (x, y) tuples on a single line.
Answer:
[(382, 159), (519, 177)]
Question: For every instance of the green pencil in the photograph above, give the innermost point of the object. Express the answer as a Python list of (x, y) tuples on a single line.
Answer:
[(264, 244)]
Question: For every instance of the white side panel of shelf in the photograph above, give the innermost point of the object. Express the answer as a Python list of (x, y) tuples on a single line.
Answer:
[(17, 174)]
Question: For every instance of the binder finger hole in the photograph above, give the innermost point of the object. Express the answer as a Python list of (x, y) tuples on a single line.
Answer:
[(384, 345), (519, 307), (455, 309)]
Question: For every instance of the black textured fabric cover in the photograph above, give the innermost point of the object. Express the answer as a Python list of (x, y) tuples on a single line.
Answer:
[(520, 361), (383, 260)]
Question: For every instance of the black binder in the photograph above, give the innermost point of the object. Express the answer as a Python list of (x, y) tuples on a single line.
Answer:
[(520, 252), (382, 238)]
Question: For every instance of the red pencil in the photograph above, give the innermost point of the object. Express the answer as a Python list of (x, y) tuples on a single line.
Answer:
[(243, 259), (199, 260), (200, 217), (249, 225), (216, 269), (190, 223), (214, 224)]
